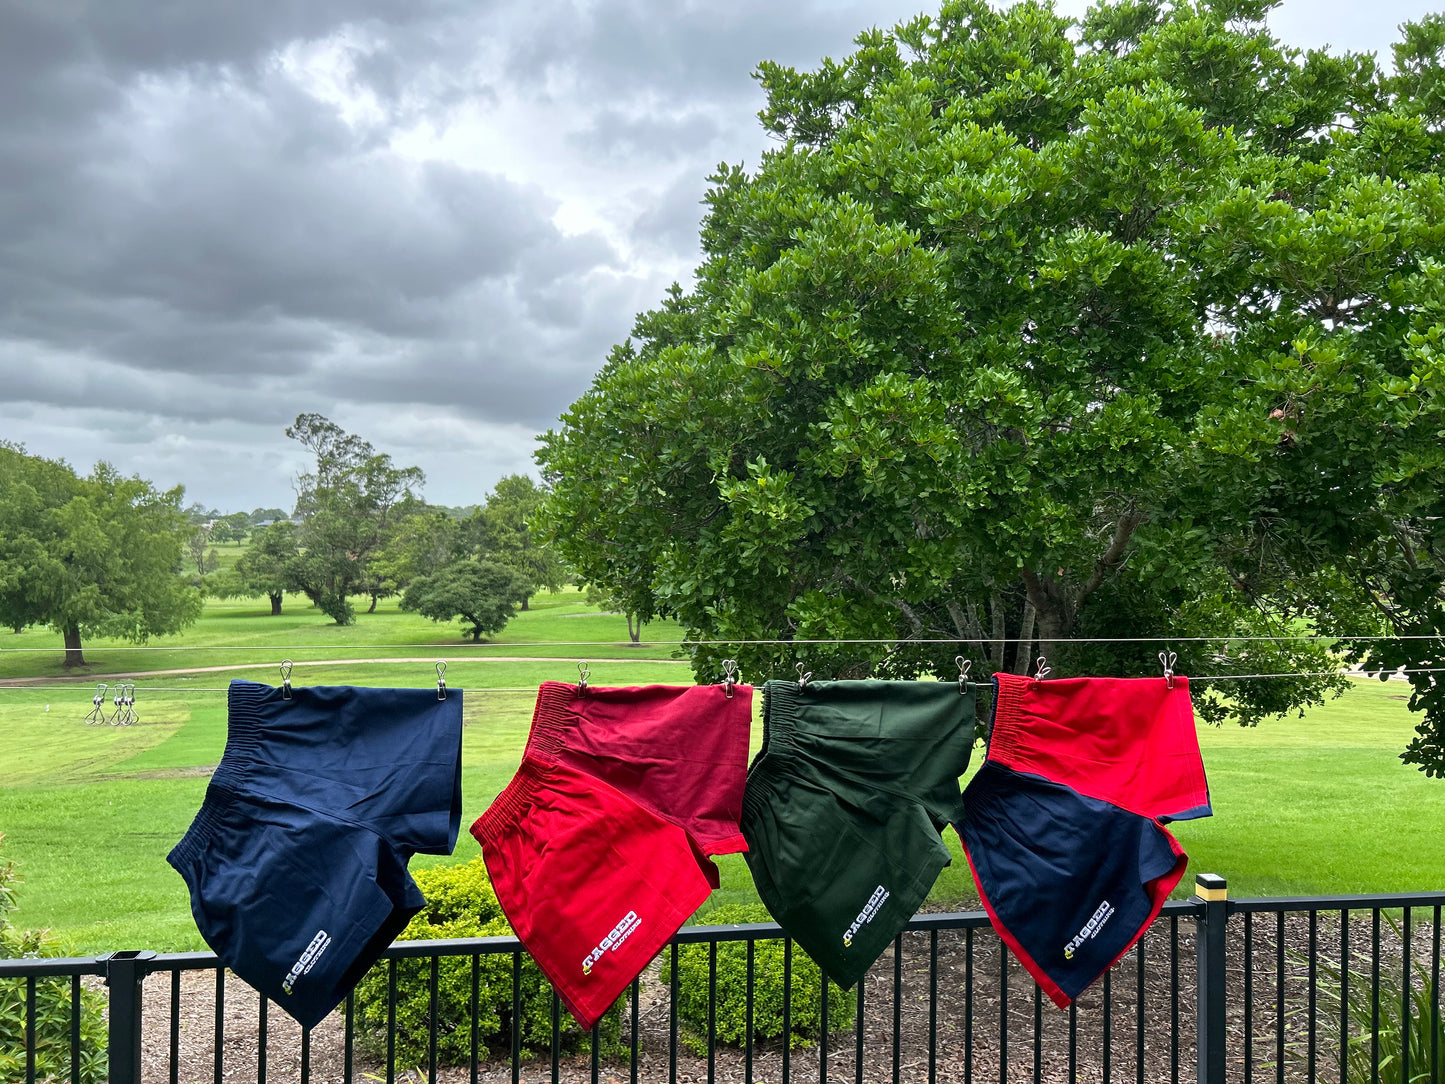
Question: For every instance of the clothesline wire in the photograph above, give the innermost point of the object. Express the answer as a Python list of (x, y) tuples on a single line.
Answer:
[(740, 643), (82, 683)]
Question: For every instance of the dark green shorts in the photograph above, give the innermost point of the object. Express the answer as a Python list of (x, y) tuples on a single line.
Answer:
[(844, 806)]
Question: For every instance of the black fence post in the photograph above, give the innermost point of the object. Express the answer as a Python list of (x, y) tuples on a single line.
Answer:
[(1212, 891), (123, 974)]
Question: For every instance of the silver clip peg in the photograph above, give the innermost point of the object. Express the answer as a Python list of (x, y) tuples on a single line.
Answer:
[(730, 676), (1167, 659), (803, 678), (964, 666), (441, 680), (1044, 669), (97, 711), (286, 665), (583, 673)]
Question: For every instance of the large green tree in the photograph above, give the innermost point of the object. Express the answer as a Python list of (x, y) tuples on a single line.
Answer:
[(502, 530), (1031, 333), (98, 555), (349, 506), (271, 565), (482, 594)]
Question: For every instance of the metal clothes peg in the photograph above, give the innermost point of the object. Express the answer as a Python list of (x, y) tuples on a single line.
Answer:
[(97, 712), (286, 665), (803, 678), (964, 666), (583, 673), (730, 676), (1044, 669), (441, 680), (1167, 659)]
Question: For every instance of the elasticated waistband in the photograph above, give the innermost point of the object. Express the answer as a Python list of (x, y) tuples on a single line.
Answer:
[(1004, 727), (780, 725), (248, 710), (551, 719), (201, 835), (514, 801)]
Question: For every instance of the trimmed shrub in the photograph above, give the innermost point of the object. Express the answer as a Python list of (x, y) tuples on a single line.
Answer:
[(731, 1018), (52, 1007), (461, 903)]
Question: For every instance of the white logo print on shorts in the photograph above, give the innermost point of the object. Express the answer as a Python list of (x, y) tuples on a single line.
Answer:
[(1091, 929), (307, 960), (865, 916), (620, 933)]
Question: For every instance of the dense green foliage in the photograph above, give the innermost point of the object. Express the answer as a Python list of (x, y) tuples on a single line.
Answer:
[(461, 903), (484, 594), (730, 1017), (93, 556), (507, 536), (52, 1007), (1031, 332), (349, 507)]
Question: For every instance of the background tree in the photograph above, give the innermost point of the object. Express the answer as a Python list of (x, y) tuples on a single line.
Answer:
[(421, 544), (604, 600), (503, 531), (202, 554), (233, 528), (348, 508), (1030, 333), (271, 566), (93, 556), (483, 594)]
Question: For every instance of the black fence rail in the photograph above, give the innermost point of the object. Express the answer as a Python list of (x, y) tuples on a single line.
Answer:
[(1323, 988)]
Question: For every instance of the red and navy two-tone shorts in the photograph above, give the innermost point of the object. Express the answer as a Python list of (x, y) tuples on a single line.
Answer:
[(1064, 822), (599, 848)]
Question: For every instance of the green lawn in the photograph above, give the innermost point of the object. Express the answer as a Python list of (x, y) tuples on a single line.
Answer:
[(1314, 805), (243, 631)]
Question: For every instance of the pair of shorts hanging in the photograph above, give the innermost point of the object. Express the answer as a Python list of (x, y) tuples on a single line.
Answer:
[(600, 847), (1064, 822), (297, 860), (844, 806)]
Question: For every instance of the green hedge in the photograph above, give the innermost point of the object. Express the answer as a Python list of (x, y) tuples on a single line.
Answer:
[(731, 1021), (52, 1007), (461, 903)]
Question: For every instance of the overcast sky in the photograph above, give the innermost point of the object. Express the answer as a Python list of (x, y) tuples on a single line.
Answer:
[(426, 219)]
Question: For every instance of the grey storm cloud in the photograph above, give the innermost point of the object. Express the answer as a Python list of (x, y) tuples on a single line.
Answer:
[(428, 219)]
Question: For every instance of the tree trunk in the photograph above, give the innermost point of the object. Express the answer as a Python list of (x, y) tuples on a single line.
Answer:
[(73, 657), (1023, 650), (372, 608), (634, 630), (524, 602), (477, 635), (276, 605)]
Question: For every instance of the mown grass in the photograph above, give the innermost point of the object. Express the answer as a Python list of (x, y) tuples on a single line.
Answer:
[(235, 631), (1314, 805)]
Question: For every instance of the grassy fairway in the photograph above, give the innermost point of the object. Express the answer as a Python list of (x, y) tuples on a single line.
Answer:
[(243, 630), (1320, 804)]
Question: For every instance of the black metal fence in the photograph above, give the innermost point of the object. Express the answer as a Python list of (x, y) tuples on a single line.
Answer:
[(1322, 988)]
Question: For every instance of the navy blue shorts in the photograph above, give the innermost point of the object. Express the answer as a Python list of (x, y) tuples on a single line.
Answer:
[(296, 862)]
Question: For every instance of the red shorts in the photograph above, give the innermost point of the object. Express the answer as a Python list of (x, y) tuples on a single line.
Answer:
[(598, 847), (1128, 741)]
